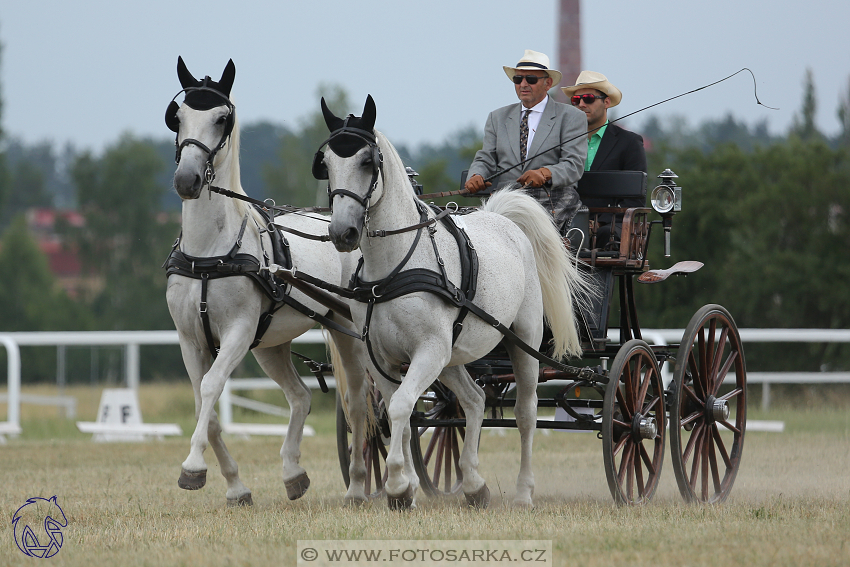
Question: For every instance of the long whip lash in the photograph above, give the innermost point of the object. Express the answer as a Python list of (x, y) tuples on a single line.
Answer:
[(300, 211), (500, 172)]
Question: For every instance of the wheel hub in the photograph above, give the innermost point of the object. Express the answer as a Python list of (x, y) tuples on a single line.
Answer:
[(717, 410), (644, 427)]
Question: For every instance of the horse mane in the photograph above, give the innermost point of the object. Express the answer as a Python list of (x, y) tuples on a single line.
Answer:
[(235, 181), (389, 151)]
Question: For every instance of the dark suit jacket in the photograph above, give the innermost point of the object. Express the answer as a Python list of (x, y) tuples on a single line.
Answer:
[(621, 150)]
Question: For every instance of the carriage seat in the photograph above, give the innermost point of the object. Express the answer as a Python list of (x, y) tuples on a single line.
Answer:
[(620, 189)]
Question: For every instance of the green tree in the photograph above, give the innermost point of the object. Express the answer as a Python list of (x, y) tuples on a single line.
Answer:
[(4, 175), (770, 227), (844, 117), (30, 298), (125, 237), (804, 123)]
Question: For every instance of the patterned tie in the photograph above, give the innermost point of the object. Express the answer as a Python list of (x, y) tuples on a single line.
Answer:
[(523, 135)]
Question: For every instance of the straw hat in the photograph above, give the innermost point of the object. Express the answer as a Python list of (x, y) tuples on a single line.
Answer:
[(598, 81), (533, 61)]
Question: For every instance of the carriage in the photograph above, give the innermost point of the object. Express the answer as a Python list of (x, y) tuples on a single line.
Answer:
[(700, 405), (485, 347)]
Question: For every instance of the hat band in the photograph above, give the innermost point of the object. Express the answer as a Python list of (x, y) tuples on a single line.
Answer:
[(529, 64)]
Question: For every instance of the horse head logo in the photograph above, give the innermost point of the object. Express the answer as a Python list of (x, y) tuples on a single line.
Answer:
[(49, 514)]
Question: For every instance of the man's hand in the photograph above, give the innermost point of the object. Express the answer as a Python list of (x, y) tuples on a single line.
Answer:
[(536, 177), (476, 183)]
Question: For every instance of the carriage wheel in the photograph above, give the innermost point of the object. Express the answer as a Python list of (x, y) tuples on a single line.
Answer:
[(633, 424), (707, 426), (438, 464), (374, 447)]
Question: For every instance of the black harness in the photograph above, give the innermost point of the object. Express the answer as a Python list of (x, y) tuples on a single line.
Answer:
[(236, 263)]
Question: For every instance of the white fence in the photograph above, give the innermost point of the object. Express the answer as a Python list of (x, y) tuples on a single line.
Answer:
[(132, 340)]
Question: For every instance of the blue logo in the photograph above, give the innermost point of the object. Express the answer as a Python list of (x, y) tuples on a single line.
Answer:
[(41, 513)]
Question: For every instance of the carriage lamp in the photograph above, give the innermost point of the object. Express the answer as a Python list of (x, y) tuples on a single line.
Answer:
[(667, 197), (667, 200)]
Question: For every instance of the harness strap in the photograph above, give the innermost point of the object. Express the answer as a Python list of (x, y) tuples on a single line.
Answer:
[(205, 318), (235, 263)]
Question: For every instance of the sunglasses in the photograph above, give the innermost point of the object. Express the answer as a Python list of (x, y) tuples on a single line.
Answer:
[(530, 79), (587, 98)]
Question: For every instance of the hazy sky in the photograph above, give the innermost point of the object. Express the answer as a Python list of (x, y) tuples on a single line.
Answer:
[(91, 70)]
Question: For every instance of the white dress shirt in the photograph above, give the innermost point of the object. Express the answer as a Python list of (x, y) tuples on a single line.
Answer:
[(533, 120)]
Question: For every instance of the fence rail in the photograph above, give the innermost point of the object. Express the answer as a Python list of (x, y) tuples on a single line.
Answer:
[(132, 340)]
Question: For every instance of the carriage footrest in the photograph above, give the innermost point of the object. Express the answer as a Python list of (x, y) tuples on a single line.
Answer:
[(655, 276)]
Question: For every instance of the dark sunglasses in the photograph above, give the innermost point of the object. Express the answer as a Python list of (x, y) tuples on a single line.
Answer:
[(587, 98), (530, 79)]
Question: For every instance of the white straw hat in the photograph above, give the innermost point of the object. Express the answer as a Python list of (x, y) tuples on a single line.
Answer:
[(534, 61)]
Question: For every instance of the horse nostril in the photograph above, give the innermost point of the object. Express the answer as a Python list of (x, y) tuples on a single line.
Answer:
[(351, 236)]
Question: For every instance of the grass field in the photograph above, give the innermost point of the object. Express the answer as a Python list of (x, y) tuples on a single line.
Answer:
[(790, 504)]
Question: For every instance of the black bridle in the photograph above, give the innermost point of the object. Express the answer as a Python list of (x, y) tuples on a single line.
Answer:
[(320, 169), (174, 125)]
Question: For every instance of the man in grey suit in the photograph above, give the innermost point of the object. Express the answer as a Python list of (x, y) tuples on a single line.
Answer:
[(515, 134)]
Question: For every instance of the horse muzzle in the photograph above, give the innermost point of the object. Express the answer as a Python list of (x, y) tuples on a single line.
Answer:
[(187, 183), (346, 238)]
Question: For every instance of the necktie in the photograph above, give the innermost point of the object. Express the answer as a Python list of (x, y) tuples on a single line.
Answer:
[(523, 135)]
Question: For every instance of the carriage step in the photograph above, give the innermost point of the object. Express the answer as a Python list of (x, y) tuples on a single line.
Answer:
[(655, 276)]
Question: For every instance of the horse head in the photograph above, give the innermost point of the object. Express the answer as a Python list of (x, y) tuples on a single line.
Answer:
[(353, 168), (202, 125)]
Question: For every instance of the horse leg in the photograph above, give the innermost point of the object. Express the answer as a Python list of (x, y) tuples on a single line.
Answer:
[(277, 363), (402, 480), (348, 367), (208, 429), (197, 362), (526, 370), (471, 399)]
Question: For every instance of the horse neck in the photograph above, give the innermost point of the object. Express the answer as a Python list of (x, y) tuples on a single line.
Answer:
[(211, 222), (395, 209)]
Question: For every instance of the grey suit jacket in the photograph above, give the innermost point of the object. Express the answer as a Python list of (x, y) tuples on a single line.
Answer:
[(559, 123)]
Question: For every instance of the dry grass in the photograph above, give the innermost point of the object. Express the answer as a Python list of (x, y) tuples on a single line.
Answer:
[(790, 505)]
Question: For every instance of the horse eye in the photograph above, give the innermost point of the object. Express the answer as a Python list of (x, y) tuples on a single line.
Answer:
[(221, 119)]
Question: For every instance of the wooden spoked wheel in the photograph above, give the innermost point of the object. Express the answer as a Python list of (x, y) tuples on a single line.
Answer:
[(707, 418), (436, 449), (374, 447), (633, 424)]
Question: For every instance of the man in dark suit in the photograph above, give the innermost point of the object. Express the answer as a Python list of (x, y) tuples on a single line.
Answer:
[(517, 133), (609, 146)]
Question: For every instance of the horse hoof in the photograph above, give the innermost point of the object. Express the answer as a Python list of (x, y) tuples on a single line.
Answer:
[(479, 499), (524, 504), (244, 500), (354, 502), (192, 480), (403, 501), (297, 487)]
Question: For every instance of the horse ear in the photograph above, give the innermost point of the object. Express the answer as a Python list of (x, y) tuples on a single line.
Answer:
[(369, 114), (225, 83), (186, 78), (331, 120)]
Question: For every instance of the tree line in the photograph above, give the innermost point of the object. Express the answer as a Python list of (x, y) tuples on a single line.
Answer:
[(766, 213)]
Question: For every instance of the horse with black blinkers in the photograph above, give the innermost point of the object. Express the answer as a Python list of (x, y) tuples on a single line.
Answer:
[(221, 293)]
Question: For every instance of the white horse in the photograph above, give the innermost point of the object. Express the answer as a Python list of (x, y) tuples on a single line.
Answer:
[(214, 227), (524, 273)]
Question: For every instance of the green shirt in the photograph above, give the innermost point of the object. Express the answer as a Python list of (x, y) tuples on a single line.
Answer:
[(593, 145)]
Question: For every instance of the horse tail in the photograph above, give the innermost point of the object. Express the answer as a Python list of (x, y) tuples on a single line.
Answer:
[(342, 387), (564, 286)]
